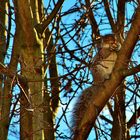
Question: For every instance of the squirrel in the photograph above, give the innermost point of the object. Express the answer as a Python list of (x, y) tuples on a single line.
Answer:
[(103, 63), (102, 67)]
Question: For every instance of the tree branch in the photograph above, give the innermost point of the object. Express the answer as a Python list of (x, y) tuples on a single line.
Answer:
[(130, 41), (110, 18), (92, 20), (42, 27), (106, 119), (133, 119), (25, 20), (3, 68), (131, 71), (121, 16)]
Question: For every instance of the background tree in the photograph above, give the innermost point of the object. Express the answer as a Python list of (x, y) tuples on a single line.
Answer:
[(45, 59)]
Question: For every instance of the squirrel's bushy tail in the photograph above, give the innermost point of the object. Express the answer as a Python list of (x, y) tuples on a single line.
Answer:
[(80, 108)]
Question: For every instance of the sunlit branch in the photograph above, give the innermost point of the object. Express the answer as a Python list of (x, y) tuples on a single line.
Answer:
[(2, 68), (9, 26), (42, 27)]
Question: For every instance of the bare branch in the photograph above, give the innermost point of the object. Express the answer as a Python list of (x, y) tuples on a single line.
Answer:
[(92, 20), (121, 16), (105, 119), (134, 118), (131, 71), (2, 68), (110, 18), (42, 27), (131, 40)]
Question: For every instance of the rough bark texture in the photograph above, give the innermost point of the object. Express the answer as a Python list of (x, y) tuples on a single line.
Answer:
[(2, 44), (6, 91), (119, 130), (34, 109)]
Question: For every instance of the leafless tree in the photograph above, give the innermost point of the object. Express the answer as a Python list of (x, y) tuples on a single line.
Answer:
[(46, 55)]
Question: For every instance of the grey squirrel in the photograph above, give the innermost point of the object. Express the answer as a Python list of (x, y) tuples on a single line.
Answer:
[(102, 66), (103, 62)]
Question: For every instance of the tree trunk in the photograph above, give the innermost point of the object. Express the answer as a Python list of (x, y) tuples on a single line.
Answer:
[(34, 106), (2, 44), (119, 128)]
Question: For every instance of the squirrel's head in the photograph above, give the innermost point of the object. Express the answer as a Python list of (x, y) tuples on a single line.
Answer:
[(109, 42)]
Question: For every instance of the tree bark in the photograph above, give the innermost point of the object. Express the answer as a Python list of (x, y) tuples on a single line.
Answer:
[(119, 127), (2, 44)]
